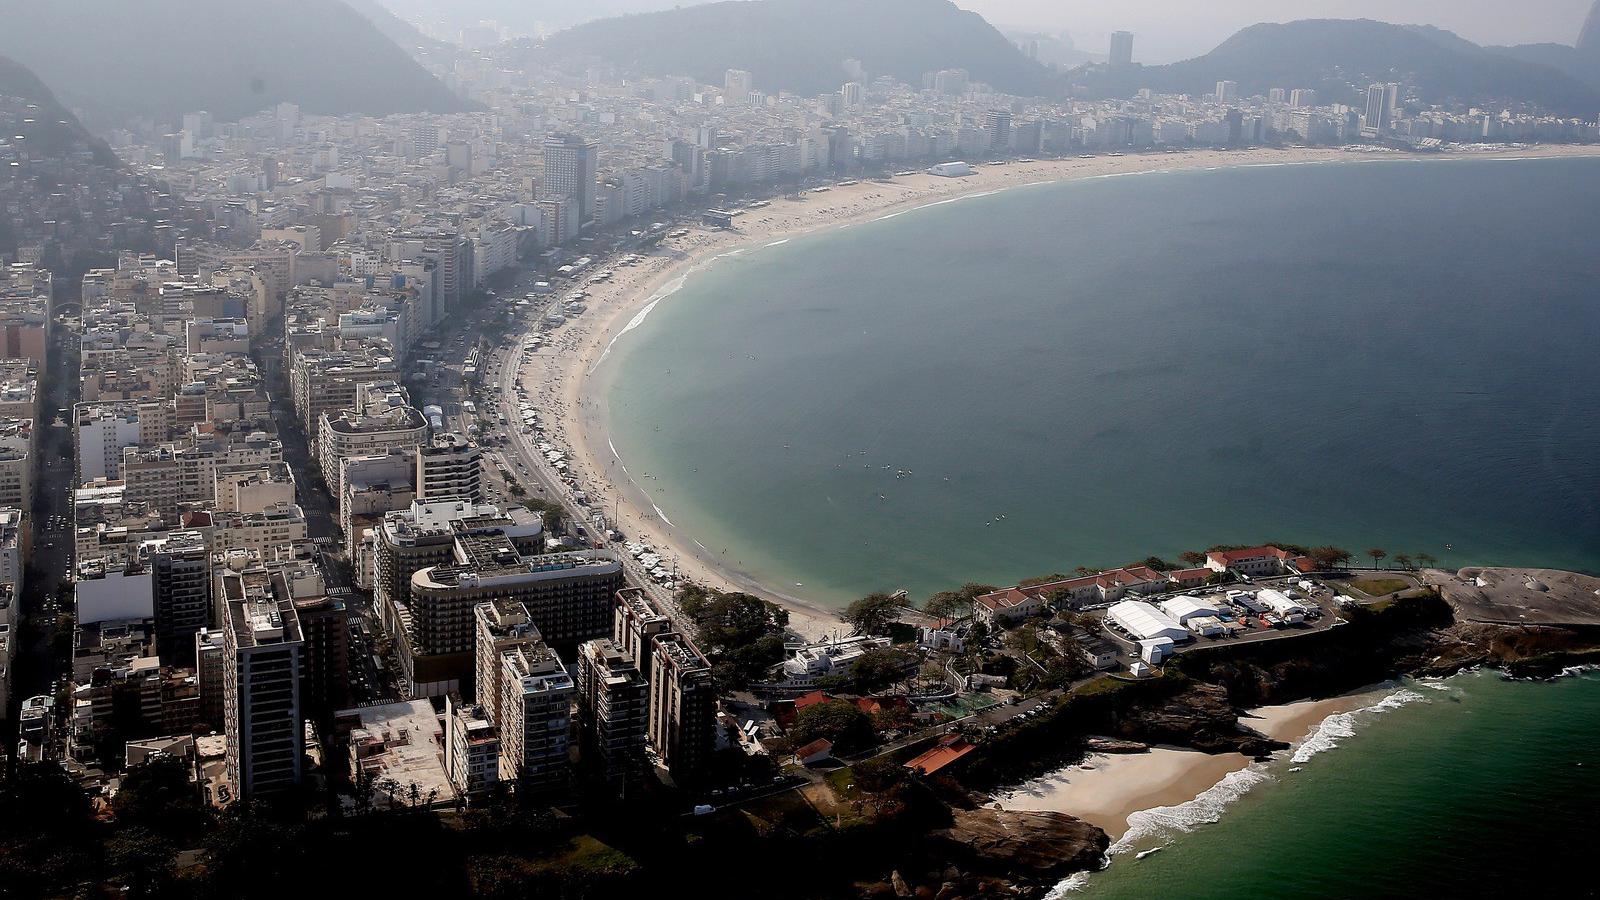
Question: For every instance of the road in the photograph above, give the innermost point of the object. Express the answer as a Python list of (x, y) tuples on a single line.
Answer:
[(36, 665)]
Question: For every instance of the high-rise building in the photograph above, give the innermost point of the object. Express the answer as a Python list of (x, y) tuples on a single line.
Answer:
[(471, 749), (1121, 49), (1377, 114), (737, 85), (568, 595), (181, 582), (613, 709), (434, 633), (449, 468), (500, 626), (636, 623), (536, 718), (325, 627), (997, 125), (950, 81), (852, 94), (1277, 95), (683, 707), (1227, 91), (1302, 98), (262, 716), (570, 165), (208, 661)]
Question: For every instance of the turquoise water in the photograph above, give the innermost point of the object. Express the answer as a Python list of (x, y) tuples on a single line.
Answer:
[(1470, 787), (1396, 354)]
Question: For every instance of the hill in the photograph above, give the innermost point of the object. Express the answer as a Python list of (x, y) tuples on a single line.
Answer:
[(1581, 61), (116, 59), (51, 130), (801, 45), (401, 32), (1339, 57), (520, 17)]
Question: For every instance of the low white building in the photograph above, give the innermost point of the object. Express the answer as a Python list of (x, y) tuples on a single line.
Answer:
[(951, 169), (807, 664), (1155, 650), (1285, 606), (1145, 622), (1188, 607)]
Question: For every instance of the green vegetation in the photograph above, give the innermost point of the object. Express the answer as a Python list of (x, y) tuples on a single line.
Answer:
[(956, 604), (836, 720), (1377, 587), (873, 613), (550, 511), (742, 634)]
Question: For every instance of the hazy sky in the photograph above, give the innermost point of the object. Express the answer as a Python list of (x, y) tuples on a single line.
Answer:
[(1168, 30)]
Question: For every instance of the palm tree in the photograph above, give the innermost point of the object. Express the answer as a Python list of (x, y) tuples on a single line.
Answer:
[(1378, 554), (1426, 560)]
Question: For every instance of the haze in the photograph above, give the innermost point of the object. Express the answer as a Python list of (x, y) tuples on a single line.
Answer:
[(1167, 30)]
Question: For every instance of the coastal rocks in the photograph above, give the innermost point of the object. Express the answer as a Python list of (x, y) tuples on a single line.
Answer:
[(1202, 717), (1022, 848), (1111, 745)]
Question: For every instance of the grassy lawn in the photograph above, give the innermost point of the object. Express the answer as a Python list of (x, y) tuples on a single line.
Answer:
[(586, 853), (1377, 587)]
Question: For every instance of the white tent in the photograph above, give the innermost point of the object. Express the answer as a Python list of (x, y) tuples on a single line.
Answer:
[(1186, 607), (1145, 622)]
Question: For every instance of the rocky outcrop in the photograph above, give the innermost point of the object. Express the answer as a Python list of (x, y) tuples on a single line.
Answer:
[(1022, 848), (1201, 717)]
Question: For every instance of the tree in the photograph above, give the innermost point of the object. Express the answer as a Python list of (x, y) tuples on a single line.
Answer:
[(47, 832), (836, 720), (1403, 561), (873, 613), (156, 795), (145, 860), (880, 667), (1426, 560), (1378, 555), (1329, 557), (956, 604), (1192, 558), (878, 776)]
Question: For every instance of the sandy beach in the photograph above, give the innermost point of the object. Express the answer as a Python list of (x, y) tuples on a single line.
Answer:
[(1106, 789), (558, 377)]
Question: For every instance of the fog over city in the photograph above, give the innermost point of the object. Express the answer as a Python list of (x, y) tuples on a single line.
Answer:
[(1170, 30), (799, 449)]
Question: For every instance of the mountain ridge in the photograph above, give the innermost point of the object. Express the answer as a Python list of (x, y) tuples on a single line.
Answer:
[(800, 45), (161, 58), (1337, 57)]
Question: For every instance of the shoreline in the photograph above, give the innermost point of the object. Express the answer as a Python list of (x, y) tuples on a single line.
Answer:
[(1129, 795), (561, 375)]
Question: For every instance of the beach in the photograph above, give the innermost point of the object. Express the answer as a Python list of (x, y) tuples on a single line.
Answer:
[(1107, 790), (559, 378)]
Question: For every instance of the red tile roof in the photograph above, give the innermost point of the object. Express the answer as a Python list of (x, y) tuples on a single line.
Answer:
[(950, 748), (812, 699), (821, 746)]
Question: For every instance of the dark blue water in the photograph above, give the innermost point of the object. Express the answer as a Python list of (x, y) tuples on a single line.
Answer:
[(1398, 354)]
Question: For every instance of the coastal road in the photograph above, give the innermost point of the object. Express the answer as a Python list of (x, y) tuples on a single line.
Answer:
[(523, 460)]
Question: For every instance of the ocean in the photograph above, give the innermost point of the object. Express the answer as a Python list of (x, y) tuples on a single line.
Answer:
[(1394, 354), (1470, 786)]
